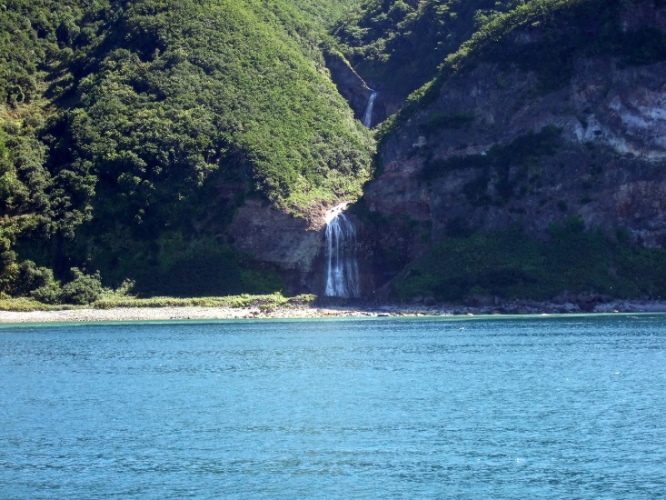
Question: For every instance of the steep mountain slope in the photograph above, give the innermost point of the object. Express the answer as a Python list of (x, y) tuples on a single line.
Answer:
[(551, 116), (324, 14), (193, 146), (396, 45), (132, 131)]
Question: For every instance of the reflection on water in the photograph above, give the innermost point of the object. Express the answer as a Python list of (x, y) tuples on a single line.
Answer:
[(572, 407)]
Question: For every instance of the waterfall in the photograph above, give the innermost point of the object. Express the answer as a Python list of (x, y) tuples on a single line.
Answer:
[(367, 116), (341, 264)]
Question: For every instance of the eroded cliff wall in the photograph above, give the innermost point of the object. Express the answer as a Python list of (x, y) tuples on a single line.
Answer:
[(504, 142), (496, 147), (489, 153)]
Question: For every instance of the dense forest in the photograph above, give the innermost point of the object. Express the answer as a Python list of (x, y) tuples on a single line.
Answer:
[(131, 132), (398, 45)]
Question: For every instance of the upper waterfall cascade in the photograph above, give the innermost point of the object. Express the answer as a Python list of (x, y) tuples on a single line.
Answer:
[(367, 116), (342, 277)]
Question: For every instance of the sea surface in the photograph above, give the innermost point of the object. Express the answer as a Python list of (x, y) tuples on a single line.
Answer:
[(571, 407)]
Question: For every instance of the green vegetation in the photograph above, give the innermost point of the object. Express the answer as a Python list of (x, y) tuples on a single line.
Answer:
[(38, 284), (23, 304), (398, 44), (264, 302), (511, 265), (131, 131), (325, 13), (110, 301)]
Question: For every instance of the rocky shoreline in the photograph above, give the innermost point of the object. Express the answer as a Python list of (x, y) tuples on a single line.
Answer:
[(330, 310)]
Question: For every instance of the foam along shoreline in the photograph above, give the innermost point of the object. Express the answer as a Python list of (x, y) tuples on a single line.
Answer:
[(386, 310)]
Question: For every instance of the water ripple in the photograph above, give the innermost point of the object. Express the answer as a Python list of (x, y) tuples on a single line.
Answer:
[(538, 408)]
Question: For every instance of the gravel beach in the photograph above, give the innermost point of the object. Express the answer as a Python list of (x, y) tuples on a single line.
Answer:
[(330, 311), (175, 313)]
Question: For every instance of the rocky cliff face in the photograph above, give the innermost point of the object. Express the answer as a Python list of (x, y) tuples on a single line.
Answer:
[(295, 245), (350, 85), (493, 150), (290, 243), (607, 162)]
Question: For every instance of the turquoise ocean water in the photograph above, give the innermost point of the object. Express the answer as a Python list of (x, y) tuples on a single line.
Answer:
[(570, 407)]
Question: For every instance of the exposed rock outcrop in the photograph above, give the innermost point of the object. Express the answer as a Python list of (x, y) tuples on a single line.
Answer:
[(495, 147), (290, 243), (493, 151), (295, 245), (350, 85)]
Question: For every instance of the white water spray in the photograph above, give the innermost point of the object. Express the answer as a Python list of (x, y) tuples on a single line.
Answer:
[(367, 116), (341, 264)]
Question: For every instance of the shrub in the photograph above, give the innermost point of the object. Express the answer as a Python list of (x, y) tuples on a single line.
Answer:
[(83, 289), (30, 278), (48, 294)]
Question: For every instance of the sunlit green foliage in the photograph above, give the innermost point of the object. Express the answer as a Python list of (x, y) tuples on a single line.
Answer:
[(109, 301), (265, 302), (222, 87), (126, 126), (325, 13)]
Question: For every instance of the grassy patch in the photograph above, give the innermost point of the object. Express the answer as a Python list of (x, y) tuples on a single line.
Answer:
[(234, 301), (110, 302), (23, 304)]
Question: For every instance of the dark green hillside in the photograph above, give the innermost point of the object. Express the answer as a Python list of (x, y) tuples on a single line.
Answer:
[(398, 44), (132, 130), (511, 265)]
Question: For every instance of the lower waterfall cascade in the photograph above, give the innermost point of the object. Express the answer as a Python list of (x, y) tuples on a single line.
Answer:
[(342, 276), (367, 116)]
